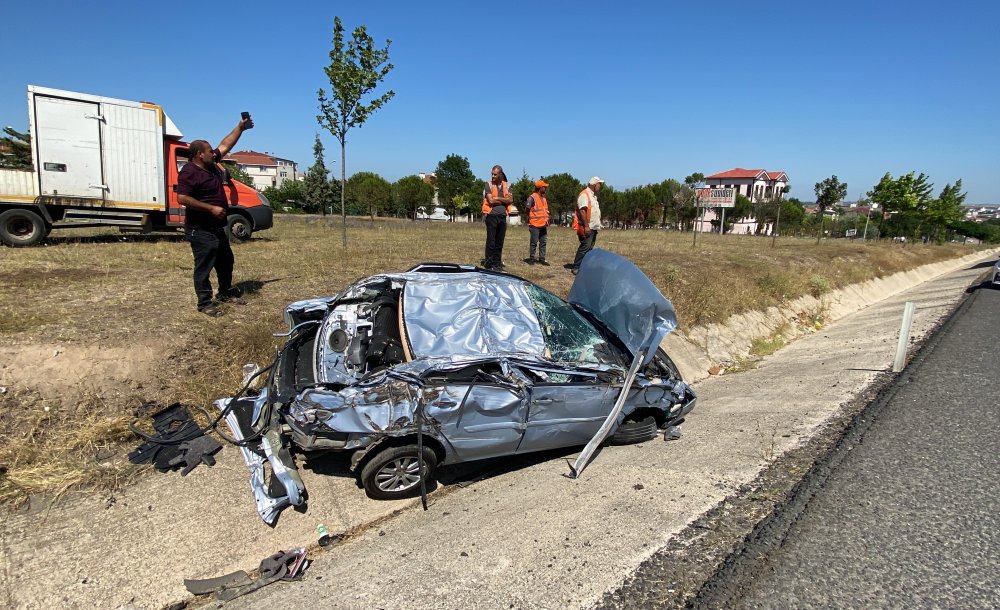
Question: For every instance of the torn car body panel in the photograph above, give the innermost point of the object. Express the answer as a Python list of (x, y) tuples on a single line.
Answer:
[(480, 364)]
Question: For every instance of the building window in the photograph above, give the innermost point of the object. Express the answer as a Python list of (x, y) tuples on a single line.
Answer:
[(284, 174)]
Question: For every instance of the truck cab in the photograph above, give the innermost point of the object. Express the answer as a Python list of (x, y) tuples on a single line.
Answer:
[(249, 210)]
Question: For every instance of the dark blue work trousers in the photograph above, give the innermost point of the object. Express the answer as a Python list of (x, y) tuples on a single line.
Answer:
[(586, 245), (496, 230), (211, 250)]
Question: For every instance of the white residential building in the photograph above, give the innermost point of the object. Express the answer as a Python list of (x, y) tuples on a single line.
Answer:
[(264, 168), (754, 184)]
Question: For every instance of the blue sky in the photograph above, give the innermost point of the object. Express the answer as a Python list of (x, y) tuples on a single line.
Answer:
[(635, 92)]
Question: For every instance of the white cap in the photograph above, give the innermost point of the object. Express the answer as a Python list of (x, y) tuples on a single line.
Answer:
[(595, 180)]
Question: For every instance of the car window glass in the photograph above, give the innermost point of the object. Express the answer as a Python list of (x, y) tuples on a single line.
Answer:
[(568, 336)]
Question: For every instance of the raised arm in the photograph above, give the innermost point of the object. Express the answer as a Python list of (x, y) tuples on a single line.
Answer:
[(230, 140)]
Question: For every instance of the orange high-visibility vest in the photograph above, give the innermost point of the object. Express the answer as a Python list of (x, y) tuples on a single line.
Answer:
[(576, 223), (493, 189), (539, 214)]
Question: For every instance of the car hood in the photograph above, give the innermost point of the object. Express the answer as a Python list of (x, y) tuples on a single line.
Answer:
[(624, 299)]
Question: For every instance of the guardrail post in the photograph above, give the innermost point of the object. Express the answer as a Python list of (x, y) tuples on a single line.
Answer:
[(904, 337)]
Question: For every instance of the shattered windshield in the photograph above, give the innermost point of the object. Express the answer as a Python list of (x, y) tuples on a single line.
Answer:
[(568, 336)]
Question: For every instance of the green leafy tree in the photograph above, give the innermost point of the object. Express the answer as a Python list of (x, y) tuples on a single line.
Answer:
[(354, 72), (521, 190), (685, 204), (988, 232), (695, 180), (369, 192), (742, 208), (665, 198), (455, 182), (612, 205), (904, 199), (562, 193), (829, 193), (290, 196), (410, 193), (692, 182), (15, 149), (793, 212), (318, 191), (635, 206), (943, 213)]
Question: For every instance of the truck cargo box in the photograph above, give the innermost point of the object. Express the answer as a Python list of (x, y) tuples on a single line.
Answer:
[(98, 150)]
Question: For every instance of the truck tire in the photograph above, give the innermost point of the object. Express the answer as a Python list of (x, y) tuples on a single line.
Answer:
[(21, 228), (240, 229)]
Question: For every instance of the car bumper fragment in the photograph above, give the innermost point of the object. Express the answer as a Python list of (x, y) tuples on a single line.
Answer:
[(274, 453)]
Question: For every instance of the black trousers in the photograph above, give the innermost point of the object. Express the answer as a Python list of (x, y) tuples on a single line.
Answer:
[(586, 245), (539, 236), (496, 230), (211, 250)]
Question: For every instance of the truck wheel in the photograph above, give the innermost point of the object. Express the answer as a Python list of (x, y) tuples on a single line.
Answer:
[(21, 228), (239, 229)]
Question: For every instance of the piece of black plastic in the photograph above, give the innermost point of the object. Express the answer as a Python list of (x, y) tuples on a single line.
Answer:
[(178, 442), (194, 452)]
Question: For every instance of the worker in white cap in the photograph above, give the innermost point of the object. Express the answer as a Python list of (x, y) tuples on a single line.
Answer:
[(587, 220)]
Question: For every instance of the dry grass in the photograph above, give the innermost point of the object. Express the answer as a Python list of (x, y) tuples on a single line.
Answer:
[(94, 288)]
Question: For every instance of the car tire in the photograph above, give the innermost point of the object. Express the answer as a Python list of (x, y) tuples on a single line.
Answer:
[(239, 229), (632, 432), (392, 473), (22, 228)]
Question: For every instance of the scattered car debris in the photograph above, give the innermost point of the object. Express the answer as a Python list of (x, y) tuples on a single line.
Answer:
[(179, 442), (449, 363), (287, 566), (196, 451), (213, 585)]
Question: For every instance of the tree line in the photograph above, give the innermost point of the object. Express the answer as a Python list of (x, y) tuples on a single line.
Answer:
[(902, 206)]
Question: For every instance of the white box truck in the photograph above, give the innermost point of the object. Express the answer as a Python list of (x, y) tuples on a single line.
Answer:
[(101, 161)]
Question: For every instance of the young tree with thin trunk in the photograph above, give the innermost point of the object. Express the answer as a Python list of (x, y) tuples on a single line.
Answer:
[(354, 72)]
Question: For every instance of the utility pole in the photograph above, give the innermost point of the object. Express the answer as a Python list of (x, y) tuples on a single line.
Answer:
[(774, 229), (867, 218)]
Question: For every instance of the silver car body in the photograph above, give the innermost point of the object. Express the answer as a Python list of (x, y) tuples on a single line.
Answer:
[(480, 364)]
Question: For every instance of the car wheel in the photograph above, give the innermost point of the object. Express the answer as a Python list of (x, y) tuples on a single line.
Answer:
[(239, 229), (632, 432), (394, 473), (21, 228)]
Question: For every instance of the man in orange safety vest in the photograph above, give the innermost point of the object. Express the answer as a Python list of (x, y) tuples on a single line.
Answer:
[(537, 208)]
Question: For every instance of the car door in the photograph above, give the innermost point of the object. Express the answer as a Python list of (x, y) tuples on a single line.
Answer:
[(478, 419), (565, 410)]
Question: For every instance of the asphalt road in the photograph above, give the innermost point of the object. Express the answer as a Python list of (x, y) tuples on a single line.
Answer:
[(903, 514)]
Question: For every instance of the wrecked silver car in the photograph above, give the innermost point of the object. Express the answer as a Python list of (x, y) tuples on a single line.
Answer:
[(448, 363)]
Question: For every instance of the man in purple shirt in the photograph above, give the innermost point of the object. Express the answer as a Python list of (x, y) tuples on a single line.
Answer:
[(200, 190)]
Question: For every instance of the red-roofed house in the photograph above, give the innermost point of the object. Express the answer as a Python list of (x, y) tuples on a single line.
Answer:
[(265, 169), (755, 184)]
